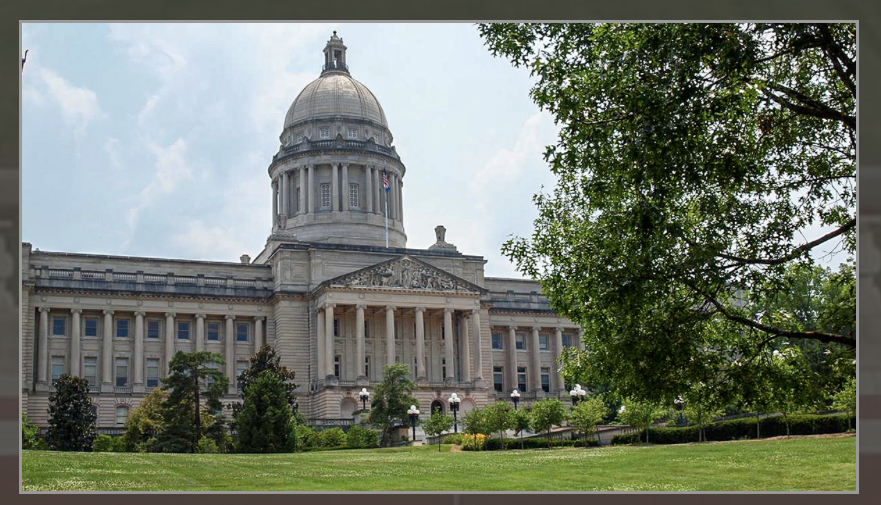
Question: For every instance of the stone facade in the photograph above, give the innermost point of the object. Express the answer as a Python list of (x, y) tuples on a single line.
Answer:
[(326, 291)]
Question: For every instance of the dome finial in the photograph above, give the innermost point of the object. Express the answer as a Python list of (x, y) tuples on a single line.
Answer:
[(335, 55)]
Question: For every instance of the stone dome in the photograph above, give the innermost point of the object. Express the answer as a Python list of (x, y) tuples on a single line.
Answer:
[(335, 95)]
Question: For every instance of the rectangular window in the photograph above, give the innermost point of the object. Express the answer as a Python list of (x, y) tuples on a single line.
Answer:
[(443, 368), (567, 340), (546, 380), (353, 133), (543, 342), (57, 367), (152, 372), (497, 340), (367, 366), (241, 332), (121, 415), (366, 328), (354, 201), (521, 378), (324, 133), (325, 196), (443, 332), (214, 331), (152, 329), (122, 328), (209, 380), (121, 372), (336, 366), (336, 327), (183, 331), (90, 370), (498, 378), (521, 341), (241, 366), (297, 198), (91, 327), (58, 326)]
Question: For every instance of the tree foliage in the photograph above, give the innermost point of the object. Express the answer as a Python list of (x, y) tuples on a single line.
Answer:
[(71, 419), (194, 378), (437, 424), (267, 359), (641, 415), (498, 418), (520, 422), (546, 414), (145, 423), (391, 399), (475, 422), (691, 162), (29, 432), (264, 419), (586, 415), (846, 399)]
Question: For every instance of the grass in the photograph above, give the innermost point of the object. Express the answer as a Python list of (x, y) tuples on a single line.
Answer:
[(804, 464)]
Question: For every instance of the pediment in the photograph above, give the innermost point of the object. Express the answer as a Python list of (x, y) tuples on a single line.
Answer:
[(405, 273)]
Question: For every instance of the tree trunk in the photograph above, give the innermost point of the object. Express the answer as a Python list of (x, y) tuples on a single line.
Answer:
[(549, 438), (786, 419), (758, 433), (198, 414)]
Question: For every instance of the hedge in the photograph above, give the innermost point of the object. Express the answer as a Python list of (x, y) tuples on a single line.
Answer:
[(738, 429), (494, 444)]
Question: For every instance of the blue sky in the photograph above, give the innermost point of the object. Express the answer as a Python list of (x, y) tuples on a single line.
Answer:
[(154, 139)]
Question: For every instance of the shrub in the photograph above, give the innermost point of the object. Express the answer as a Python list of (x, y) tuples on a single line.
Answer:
[(474, 442), (206, 446), (103, 443), (361, 438), (41, 444), (306, 437), (369, 439), (71, 420), (28, 433), (331, 437), (455, 438)]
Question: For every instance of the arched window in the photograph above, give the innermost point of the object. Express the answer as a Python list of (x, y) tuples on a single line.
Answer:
[(436, 406)]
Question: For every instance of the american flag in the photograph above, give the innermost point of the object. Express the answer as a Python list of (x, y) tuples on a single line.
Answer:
[(385, 183)]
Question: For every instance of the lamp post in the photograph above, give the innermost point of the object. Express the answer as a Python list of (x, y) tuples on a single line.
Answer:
[(515, 397), (414, 415), (295, 408), (679, 401), (582, 393), (364, 396), (453, 400), (573, 394)]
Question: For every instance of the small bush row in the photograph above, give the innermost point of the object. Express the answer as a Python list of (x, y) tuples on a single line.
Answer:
[(738, 429)]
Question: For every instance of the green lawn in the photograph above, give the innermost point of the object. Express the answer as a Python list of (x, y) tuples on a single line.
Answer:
[(804, 464)]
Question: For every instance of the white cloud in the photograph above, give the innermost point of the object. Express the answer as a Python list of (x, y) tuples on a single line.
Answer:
[(205, 241), (111, 147), (509, 164), (79, 106)]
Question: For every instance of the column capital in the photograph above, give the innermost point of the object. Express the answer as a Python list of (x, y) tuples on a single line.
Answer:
[(391, 308), (361, 306), (536, 328), (475, 312), (512, 327), (259, 318), (449, 310), (345, 165), (230, 317), (200, 316), (44, 309), (140, 313), (75, 311), (559, 329), (419, 309), (328, 305), (170, 314), (108, 312)]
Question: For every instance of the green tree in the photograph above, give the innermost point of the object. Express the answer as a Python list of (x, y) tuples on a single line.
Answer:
[(700, 410), (194, 377), (586, 415), (145, 423), (546, 414), (264, 419), (475, 422), (71, 419), (690, 162), (267, 359), (846, 399), (391, 399), (498, 418), (437, 424), (520, 421), (29, 432), (641, 415)]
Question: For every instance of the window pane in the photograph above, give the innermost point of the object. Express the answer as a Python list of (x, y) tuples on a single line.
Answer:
[(325, 196), (241, 332), (183, 331), (353, 196), (121, 372), (152, 372), (57, 366), (543, 342), (213, 331), (498, 378), (497, 340), (567, 341), (90, 370), (58, 326), (546, 380), (240, 367), (91, 329), (121, 415), (122, 328), (521, 378), (521, 341), (152, 329)]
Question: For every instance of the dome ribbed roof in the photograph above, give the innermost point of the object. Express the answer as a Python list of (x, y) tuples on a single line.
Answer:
[(335, 94)]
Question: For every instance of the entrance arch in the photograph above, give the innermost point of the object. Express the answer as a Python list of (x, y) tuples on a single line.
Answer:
[(347, 408), (437, 405)]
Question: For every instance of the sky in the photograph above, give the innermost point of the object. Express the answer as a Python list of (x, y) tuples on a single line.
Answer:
[(155, 139)]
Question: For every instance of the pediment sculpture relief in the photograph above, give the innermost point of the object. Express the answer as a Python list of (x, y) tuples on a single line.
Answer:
[(406, 274)]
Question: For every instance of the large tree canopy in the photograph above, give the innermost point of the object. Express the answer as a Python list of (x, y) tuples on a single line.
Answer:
[(695, 164)]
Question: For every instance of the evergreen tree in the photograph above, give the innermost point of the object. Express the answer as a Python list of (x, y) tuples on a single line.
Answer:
[(71, 419), (263, 422), (146, 423), (391, 399)]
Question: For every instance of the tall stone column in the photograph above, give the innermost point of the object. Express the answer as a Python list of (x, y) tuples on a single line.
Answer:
[(328, 338), (43, 365), (139, 348), (311, 197), (465, 349), (229, 352), (401, 200), (335, 188), (512, 357), (258, 332), (107, 348), (420, 344), (536, 360), (359, 342), (75, 342), (393, 197), (274, 202), (377, 189), (390, 335), (169, 340), (319, 340), (558, 351), (345, 187), (200, 332), (478, 350), (449, 345), (301, 206), (368, 188), (284, 193)]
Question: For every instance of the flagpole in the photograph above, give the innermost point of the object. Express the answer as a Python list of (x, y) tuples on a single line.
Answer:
[(386, 188)]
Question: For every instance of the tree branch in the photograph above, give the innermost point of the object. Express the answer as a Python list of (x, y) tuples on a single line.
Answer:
[(796, 252), (809, 106)]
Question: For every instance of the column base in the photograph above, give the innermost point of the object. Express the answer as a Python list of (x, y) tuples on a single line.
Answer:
[(107, 387), (362, 381), (540, 394), (41, 387), (331, 380), (138, 388), (422, 382), (450, 381), (479, 383)]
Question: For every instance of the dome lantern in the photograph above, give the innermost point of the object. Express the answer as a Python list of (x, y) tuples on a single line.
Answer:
[(334, 56)]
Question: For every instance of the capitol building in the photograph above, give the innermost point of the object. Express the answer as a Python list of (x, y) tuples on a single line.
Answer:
[(336, 290)]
